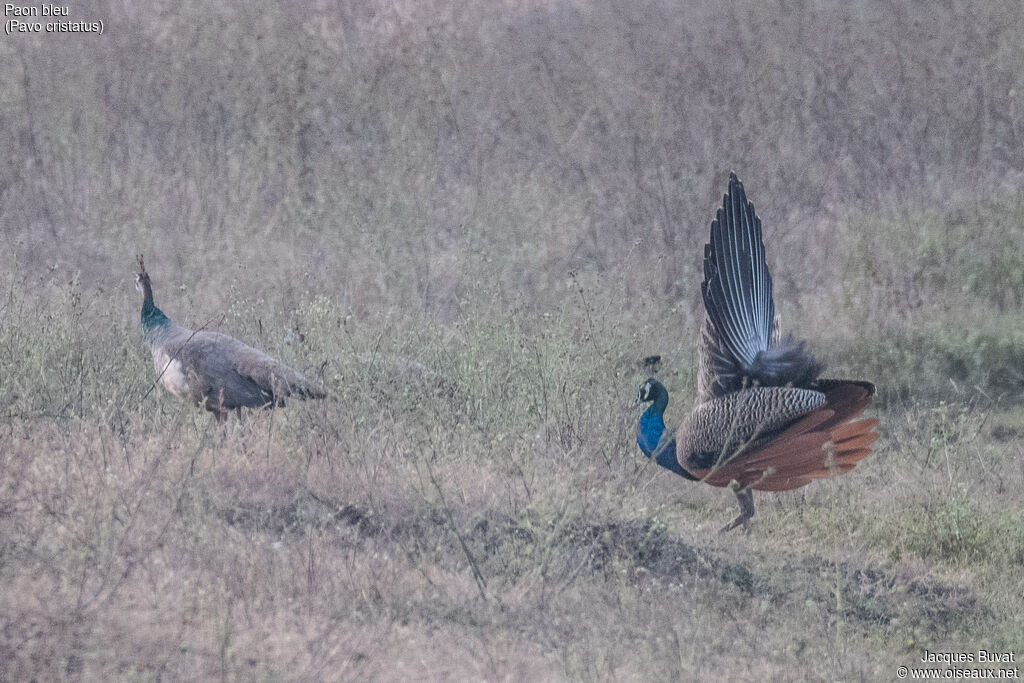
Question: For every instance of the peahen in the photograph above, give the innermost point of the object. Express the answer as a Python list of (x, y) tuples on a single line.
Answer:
[(763, 418), (213, 369)]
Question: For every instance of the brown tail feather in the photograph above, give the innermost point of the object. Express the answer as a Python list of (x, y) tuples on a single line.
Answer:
[(847, 399), (853, 457), (840, 465), (853, 429), (861, 441), (798, 454)]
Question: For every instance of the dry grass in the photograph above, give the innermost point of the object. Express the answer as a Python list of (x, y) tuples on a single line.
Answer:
[(472, 222)]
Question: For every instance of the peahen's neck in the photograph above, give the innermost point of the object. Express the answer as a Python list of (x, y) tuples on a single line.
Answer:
[(152, 317)]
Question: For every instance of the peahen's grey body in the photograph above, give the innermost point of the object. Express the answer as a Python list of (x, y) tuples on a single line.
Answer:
[(213, 369), (763, 419)]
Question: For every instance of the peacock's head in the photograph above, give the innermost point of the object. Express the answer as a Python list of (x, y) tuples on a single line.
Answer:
[(648, 390)]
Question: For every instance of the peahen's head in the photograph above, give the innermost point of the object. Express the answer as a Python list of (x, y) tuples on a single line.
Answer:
[(151, 315), (142, 282)]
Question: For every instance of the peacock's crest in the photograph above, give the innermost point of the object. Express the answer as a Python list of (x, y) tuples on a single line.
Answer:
[(763, 418)]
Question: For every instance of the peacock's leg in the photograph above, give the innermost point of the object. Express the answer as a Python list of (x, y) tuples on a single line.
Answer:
[(746, 501)]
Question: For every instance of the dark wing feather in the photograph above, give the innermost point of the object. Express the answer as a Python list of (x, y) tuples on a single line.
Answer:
[(716, 368), (742, 344), (737, 290)]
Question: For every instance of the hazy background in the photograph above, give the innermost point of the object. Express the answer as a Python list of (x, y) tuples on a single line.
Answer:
[(470, 221), (407, 155)]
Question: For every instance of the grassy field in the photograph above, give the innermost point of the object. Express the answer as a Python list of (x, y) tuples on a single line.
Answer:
[(472, 222)]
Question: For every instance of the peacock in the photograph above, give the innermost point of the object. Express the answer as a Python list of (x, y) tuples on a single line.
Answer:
[(213, 369), (651, 426), (763, 418)]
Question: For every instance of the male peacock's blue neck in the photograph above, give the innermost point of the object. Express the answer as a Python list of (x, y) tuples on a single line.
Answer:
[(652, 425), (650, 429)]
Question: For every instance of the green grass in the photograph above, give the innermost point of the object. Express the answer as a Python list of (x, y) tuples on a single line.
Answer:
[(473, 488), (956, 531)]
